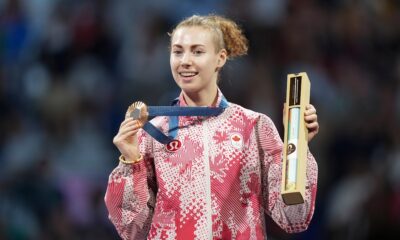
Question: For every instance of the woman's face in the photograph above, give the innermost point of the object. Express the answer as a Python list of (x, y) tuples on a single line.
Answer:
[(194, 60)]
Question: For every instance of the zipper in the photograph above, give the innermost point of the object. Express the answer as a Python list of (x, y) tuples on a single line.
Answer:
[(207, 180)]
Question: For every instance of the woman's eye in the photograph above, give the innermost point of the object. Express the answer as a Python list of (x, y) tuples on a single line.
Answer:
[(198, 52), (177, 52)]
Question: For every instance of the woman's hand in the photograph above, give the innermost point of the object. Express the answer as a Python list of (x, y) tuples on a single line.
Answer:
[(311, 120), (126, 139)]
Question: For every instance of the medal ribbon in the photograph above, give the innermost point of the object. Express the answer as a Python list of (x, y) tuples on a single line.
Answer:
[(174, 112)]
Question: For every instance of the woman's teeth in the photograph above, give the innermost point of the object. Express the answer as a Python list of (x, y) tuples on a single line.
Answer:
[(188, 74)]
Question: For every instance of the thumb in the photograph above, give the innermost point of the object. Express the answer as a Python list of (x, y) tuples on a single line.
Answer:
[(284, 114)]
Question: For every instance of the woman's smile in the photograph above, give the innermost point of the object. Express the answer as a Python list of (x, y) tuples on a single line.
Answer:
[(187, 76)]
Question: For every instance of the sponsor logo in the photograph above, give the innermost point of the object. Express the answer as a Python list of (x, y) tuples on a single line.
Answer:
[(173, 146)]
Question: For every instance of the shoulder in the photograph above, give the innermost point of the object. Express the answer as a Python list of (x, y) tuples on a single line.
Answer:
[(249, 114)]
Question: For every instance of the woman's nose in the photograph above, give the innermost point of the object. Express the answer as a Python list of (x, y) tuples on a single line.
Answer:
[(186, 59)]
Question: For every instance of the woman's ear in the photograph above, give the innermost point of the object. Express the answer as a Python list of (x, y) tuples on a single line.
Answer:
[(222, 57)]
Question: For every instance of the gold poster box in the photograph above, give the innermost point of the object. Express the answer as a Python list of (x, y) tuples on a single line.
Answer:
[(295, 139)]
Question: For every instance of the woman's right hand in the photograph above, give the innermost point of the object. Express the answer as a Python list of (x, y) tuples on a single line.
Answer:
[(126, 139)]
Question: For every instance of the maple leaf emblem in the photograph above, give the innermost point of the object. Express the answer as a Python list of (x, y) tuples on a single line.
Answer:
[(217, 167), (244, 125), (220, 137)]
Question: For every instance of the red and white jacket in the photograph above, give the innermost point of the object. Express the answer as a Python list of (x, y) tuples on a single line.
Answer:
[(219, 184)]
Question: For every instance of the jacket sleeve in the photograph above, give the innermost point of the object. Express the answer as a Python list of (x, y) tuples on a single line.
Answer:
[(294, 218), (130, 194)]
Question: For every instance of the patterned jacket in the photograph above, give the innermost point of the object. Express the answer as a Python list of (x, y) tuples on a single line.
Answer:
[(219, 184)]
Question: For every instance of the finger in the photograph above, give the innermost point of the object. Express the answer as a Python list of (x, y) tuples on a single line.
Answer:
[(132, 123), (284, 113), (133, 126), (309, 107), (310, 111), (123, 136), (312, 126), (126, 121), (311, 118), (127, 134), (129, 121)]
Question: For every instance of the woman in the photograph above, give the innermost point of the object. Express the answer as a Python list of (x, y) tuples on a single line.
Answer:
[(225, 173)]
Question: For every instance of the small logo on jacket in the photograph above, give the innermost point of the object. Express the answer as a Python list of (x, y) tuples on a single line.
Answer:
[(173, 146), (236, 140)]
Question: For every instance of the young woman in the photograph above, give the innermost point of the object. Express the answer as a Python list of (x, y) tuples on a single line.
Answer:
[(225, 173)]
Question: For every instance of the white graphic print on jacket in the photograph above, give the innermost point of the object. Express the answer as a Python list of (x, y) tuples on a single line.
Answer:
[(218, 185)]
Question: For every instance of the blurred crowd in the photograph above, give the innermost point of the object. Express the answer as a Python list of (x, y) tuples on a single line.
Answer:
[(70, 68)]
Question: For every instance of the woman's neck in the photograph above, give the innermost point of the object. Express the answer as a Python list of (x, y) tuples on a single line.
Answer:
[(200, 99)]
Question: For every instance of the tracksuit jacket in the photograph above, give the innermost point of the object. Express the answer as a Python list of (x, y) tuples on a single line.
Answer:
[(219, 182)]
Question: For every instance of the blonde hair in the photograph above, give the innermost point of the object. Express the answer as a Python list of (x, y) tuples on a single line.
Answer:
[(228, 35)]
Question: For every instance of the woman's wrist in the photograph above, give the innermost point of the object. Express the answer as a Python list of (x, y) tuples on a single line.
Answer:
[(129, 161)]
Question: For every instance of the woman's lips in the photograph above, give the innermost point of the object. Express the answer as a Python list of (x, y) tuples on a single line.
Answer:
[(187, 76)]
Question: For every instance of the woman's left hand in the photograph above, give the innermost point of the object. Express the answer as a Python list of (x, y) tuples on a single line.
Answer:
[(311, 120)]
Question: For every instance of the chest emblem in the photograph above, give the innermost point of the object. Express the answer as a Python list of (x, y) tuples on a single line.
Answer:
[(236, 140), (173, 146)]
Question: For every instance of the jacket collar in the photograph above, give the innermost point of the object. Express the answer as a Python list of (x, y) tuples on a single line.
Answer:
[(190, 119), (182, 101)]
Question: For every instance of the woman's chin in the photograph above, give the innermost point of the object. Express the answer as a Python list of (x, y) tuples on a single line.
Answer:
[(188, 87)]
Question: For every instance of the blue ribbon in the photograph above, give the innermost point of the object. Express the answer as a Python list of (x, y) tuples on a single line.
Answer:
[(174, 112)]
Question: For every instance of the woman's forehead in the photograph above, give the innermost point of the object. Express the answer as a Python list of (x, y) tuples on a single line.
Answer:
[(192, 36)]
